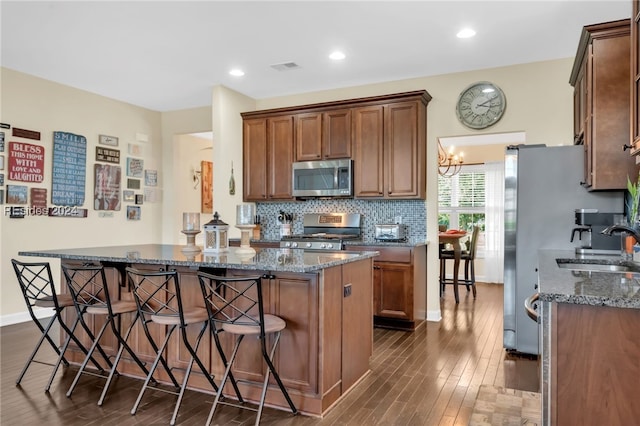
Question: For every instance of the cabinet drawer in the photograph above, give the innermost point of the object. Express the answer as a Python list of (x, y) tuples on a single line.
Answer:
[(387, 254)]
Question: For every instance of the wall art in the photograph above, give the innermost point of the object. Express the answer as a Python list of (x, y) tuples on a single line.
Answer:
[(206, 189), (26, 162), (151, 177), (16, 194), (139, 198), (69, 169), (1, 196), (133, 183), (1, 179), (1, 162), (108, 155), (135, 150), (151, 195), (133, 213), (128, 195), (107, 140), (107, 187), (27, 134), (39, 200), (135, 166), (1, 141)]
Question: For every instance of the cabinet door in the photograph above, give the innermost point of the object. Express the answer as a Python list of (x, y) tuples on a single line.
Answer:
[(368, 137), (254, 141), (405, 161), (309, 137), (336, 135), (280, 157), (393, 290)]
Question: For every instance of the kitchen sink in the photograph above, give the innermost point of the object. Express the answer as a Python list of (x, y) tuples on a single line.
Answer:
[(598, 267)]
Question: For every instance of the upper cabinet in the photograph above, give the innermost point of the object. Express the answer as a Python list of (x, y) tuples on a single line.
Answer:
[(384, 135), (635, 77), (323, 135), (389, 150), (600, 78), (267, 158)]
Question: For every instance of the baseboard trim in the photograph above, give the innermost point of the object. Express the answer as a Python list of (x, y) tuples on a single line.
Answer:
[(19, 317), (435, 316)]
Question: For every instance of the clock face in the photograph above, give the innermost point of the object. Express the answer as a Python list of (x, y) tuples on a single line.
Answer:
[(481, 105)]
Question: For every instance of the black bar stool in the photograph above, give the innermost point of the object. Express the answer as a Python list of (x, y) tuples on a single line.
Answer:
[(235, 306), (159, 300), (38, 290), (90, 291)]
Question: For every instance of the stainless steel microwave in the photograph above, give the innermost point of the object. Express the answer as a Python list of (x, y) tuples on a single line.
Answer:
[(330, 178)]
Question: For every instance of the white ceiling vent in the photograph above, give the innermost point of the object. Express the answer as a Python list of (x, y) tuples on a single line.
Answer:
[(285, 66)]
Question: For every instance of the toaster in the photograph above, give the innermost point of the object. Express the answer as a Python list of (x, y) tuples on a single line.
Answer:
[(391, 232)]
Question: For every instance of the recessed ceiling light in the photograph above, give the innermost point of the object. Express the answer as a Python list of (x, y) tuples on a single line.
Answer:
[(337, 55), (236, 72), (466, 33)]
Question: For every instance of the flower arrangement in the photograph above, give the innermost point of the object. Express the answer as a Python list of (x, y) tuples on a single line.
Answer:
[(633, 201)]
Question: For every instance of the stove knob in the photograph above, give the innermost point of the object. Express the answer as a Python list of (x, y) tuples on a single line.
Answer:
[(308, 245), (294, 245), (329, 246), (287, 244), (323, 245)]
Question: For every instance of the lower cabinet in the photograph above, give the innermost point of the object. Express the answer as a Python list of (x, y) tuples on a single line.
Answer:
[(399, 285), (592, 370)]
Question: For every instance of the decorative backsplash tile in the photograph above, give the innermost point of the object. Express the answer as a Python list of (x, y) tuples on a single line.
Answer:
[(412, 212)]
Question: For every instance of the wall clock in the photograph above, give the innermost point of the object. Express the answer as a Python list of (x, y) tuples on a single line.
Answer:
[(481, 105)]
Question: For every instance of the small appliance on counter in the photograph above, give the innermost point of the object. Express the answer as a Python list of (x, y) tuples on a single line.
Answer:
[(592, 222), (391, 232)]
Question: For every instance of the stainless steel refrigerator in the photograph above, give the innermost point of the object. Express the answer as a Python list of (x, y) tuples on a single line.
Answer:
[(542, 192)]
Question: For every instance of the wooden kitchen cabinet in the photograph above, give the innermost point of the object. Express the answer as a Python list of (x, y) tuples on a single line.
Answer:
[(600, 77), (384, 135), (389, 150), (267, 158), (593, 365), (399, 283), (635, 77), (323, 135)]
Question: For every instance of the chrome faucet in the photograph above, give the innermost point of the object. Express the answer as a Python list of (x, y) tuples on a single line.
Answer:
[(622, 228)]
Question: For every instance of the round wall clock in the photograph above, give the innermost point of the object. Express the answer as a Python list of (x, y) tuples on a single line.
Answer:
[(481, 105)]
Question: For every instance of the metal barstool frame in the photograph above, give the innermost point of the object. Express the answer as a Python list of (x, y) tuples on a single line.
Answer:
[(149, 306)]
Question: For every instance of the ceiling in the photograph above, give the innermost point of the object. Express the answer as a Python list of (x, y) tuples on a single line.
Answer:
[(168, 55)]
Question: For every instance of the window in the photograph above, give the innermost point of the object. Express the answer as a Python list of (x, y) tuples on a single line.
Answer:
[(461, 201)]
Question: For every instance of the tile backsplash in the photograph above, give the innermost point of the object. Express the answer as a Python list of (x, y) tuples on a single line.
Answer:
[(412, 212)]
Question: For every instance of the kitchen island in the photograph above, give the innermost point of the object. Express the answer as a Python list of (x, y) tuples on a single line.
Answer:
[(323, 352), (590, 325)]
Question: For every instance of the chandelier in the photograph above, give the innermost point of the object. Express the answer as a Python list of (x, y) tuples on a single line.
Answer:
[(449, 164)]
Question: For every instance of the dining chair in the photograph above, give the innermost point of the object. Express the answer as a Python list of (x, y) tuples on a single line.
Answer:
[(235, 306), (90, 291), (38, 290), (468, 256), (159, 301)]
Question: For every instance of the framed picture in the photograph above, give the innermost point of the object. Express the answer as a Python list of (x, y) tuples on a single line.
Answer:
[(128, 195), (139, 198), (151, 177), (108, 140), (1, 196), (17, 194), (1, 141), (133, 183), (107, 187), (135, 166), (1, 179), (1, 162), (133, 213)]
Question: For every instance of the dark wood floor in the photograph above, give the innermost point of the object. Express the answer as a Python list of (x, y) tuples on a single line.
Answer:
[(428, 377)]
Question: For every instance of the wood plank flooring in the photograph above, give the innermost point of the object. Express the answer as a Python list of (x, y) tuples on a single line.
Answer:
[(428, 377)]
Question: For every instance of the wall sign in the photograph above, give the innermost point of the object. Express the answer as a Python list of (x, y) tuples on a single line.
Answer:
[(69, 169), (26, 162), (107, 187), (39, 200), (16, 194), (108, 140), (107, 155), (134, 167), (27, 134)]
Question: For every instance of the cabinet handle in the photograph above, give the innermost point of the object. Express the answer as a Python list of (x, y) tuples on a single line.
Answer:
[(376, 267), (626, 147)]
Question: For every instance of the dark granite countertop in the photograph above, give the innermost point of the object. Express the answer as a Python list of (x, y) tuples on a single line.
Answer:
[(616, 289), (369, 242), (264, 259)]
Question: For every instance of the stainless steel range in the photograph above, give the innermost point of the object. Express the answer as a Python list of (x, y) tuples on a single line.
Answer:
[(325, 231)]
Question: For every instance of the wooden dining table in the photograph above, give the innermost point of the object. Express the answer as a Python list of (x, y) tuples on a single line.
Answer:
[(453, 238)]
